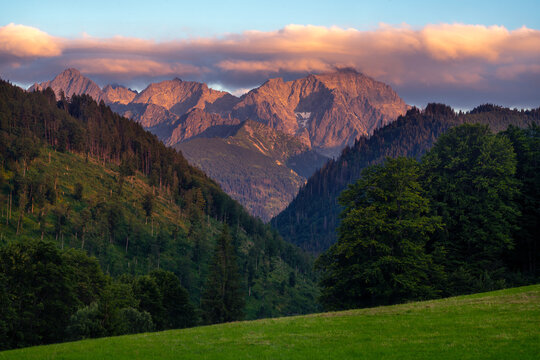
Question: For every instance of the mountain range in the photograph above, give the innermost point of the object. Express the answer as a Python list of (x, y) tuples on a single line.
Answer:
[(311, 219), (278, 133)]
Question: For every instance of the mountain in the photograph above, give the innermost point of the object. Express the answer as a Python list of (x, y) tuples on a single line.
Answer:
[(117, 94), (71, 82), (327, 112), (323, 112), (311, 219), (180, 96), (75, 173), (274, 164)]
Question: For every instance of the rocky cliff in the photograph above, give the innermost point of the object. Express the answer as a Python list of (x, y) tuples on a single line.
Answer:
[(327, 112)]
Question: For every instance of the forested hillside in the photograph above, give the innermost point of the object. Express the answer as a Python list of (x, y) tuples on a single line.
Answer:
[(461, 220), (310, 221), (82, 177)]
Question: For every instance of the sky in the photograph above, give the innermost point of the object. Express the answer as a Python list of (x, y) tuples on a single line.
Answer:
[(462, 53)]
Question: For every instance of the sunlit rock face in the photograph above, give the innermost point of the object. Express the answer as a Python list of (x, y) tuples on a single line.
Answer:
[(118, 94), (327, 111), (71, 82)]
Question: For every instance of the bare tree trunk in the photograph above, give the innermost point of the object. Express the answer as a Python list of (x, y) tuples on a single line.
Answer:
[(19, 222)]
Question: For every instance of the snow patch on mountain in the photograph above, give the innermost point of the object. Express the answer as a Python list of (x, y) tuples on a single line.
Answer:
[(302, 118)]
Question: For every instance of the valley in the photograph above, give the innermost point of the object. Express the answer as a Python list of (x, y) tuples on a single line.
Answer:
[(316, 117), (270, 180)]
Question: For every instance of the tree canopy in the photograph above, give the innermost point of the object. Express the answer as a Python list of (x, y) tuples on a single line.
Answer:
[(460, 221), (380, 256)]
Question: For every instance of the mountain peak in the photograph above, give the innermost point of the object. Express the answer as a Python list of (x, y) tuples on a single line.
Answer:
[(71, 82), (347, 70), (71, 72), (327, 111)]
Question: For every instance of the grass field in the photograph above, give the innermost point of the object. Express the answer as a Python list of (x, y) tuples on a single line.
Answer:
[(497, 325)]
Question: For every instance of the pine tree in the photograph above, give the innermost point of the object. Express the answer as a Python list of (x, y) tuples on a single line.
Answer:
[(469, 176), (222, 300)]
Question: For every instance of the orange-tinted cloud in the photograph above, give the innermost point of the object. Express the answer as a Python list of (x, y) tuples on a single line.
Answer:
[(106, 66), (24, 41), (442, 60)]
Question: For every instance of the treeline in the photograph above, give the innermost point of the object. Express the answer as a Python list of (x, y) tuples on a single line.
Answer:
[(461, 220), (312, 217), (76, 174), (49, 295)]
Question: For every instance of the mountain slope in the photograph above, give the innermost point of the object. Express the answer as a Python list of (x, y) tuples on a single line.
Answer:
[(495, 325), (311, 218), (255, 165), (117, 94), (179, 96), (78, 174)]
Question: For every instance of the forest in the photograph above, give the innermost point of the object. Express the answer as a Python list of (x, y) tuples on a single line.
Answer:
[(462, 219), (106, 231)]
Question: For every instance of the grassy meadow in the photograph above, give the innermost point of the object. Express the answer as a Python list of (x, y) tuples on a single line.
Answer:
[(502, 324)]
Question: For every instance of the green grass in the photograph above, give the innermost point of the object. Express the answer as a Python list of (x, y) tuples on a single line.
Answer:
[(503, 324)]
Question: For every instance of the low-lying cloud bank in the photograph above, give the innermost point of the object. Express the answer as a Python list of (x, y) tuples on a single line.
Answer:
[(462, 65)]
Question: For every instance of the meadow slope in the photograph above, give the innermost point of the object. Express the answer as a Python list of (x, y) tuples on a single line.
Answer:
[(502, 324)]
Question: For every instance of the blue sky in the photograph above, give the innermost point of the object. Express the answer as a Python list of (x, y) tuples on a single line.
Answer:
[(166, 20)]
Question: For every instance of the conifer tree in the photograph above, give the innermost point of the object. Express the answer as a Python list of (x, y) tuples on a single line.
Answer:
[(469, 176), (222, 300)]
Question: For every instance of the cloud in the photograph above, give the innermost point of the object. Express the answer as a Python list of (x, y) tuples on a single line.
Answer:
[(122, 67), (433, 63), (21, 41)]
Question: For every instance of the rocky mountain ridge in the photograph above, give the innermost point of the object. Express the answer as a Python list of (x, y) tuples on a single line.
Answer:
[(324, 113)]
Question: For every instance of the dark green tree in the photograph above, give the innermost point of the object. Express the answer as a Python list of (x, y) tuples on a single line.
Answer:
[(148, 205), (133, 321), (150, 299), (526, 255), (115, 219), (115, 297), (42, 295), (469, 174), (127, 167), (178, 312), (86, 323), (78, 191), (381, 256), (222, 300), (87, 276), (7, 315)]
